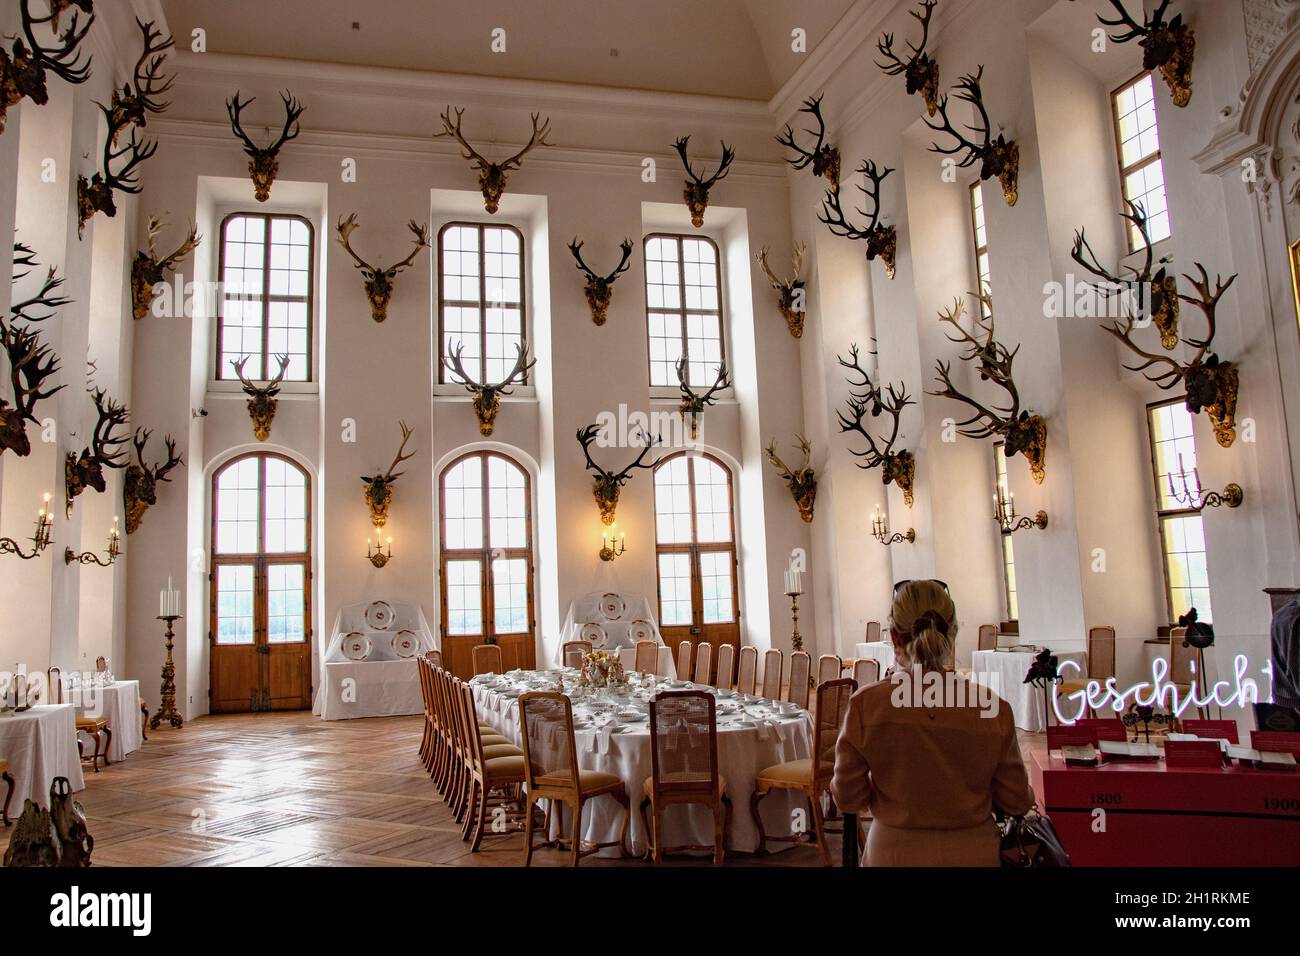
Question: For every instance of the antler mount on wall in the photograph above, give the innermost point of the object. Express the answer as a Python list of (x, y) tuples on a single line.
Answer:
[(264, 161), (697, 188), (608, 485), (379, 487), (379, 279), (262, 400), (866, 398), (600, 289), (492, 176), (802, 481)]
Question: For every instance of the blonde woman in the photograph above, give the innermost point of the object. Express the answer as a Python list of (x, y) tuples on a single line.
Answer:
[(929, 773)]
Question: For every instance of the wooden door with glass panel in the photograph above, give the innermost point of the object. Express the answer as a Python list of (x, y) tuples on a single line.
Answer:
[(486, 562), (695, 541), (260, 630)]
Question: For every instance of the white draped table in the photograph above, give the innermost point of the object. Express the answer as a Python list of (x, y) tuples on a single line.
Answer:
[(625, 751), (370, 689), (40, 744), (1004, 673), (119, 703), (882, 651)]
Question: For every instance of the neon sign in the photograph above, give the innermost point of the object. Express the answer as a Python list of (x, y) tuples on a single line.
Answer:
[(1096, 695)]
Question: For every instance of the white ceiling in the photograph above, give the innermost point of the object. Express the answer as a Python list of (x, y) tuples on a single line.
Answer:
[(735, 48)]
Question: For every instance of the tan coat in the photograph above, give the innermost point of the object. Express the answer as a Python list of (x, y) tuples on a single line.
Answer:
[(930, 777)]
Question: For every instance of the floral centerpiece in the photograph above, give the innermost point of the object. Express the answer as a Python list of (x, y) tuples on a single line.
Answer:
[(601, 669)]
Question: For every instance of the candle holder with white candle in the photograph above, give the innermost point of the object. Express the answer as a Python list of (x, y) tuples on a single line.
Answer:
[(90, 557), (1191, 494), (41, 538), (793, 588), (169, 612), (1004, 513)]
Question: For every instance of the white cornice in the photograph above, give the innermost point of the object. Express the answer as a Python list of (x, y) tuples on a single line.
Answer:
[(229, 70)]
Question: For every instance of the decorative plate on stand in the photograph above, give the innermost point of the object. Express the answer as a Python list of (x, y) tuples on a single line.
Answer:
[(612, 606), (379, 615), (356, 646), (405, 643), (640, 631), (595, 633)]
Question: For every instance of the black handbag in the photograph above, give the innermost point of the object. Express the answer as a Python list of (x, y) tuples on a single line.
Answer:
[(1031, 841)]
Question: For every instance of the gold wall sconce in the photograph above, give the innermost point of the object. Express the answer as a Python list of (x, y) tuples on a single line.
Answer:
[(880, 530), (90, 557), (1190, 493), (41, 538), (1004, 513), (376, 554), (612, 546)]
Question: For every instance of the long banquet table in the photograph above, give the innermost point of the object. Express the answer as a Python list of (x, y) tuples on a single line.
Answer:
[(746, 745), (40, 744)]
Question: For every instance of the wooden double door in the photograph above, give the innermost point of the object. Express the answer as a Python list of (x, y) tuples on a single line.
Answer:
[(260, 627)]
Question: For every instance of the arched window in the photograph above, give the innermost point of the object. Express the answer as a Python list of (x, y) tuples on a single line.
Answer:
[(485, 567), (695, 549), (261, 585)]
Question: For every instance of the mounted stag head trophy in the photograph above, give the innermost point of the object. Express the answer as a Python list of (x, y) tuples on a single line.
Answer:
[(697, 188), (264, 161), (140, 490), (802, 480), (379, 488), (790, 291), (1133, 291), (31, 363), (867, 398), (998, 158), (378, 279), (881, 240), (487, 398), (132, 104), (608, 484), (1167, 47), (694, 403), (149, 269), (104, 451), (600, 289), (1212, 385), (23, 69), (96, 193), (1024, 433), (920, 70), (823, 157), (492, 176), (262, 400)]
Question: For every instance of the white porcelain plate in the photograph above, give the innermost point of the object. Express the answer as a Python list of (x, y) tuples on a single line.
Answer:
[(595, 633), (356, 646), (612, 606), (379, 615), (640, 631), (405, 643)]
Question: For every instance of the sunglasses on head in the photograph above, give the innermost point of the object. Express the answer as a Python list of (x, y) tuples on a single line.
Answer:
[(899, 585)]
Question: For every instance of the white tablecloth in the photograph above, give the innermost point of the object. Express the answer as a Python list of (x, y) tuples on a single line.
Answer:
[(882, 651), (742, 753), (120, 703), (40, 744), (1004, 672), (370, 689)]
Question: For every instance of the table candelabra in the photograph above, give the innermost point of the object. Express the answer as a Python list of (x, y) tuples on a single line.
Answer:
[(167, 709)]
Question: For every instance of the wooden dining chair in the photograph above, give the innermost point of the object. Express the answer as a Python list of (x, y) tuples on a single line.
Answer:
[(486, 659), (96, 728), (551, 773), (866, 671), (647, 657), (434, 657), (425, 673), (829, 667), (773, 664), (812, 775), (800, 673), (8, 779), (492, 768), (572, 652), (873, 632), (726, 679), (703, 662), (1184, 668), (988, 637), (747, 670), (684, 660), (1099, 666), (684, 769)]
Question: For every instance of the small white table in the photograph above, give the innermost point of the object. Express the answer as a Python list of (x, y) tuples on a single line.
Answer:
[(119, 703), (882, 651), (371, 689), (1004, 673), (40, 744)]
